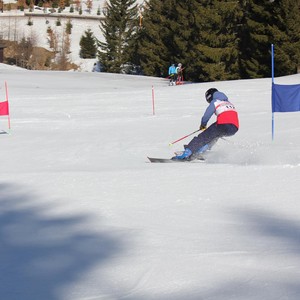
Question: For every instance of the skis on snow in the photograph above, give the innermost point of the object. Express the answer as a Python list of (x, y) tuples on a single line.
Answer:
[(169, 160), (196, 157)]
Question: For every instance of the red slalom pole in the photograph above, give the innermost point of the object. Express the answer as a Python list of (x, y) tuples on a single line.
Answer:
[(6, 94), (153, 105), (183, 137)]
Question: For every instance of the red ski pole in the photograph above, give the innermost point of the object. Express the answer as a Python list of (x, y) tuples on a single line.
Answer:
[(183, 137)]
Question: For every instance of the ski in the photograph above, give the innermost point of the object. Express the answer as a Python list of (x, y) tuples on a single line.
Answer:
[(169, 160)]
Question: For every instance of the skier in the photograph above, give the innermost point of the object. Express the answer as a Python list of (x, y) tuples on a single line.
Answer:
[(227, 124), (179, 74), (172, 74)]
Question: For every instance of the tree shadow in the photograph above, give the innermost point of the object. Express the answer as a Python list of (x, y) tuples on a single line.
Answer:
[(39, 255), (277, 231), (270, 252)]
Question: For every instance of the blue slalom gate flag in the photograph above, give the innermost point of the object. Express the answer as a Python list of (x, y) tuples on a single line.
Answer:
[(285, 98)]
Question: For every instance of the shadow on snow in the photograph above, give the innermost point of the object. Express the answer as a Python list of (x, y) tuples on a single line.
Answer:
[(40, 256)]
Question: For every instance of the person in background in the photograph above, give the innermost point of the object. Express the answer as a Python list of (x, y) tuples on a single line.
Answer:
[(179, 74), (172, 74)]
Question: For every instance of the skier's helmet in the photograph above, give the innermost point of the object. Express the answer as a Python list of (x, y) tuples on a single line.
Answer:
[(209, 94)]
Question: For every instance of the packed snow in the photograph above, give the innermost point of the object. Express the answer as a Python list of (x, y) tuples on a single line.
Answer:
[(85, 216)]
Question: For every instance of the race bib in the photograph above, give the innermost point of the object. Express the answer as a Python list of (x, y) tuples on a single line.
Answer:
[(222, 106)]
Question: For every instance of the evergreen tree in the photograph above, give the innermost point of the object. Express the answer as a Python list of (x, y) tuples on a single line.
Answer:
[(254, 36), (152, 50), (264, 23), (182, 33), (219, 39), (119, 29), (199, 35), (285, 35), (214, 52), (69, 27), (88, 46)]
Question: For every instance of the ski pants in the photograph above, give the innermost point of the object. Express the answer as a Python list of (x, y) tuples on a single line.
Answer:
[(211, 135), (173, 77)]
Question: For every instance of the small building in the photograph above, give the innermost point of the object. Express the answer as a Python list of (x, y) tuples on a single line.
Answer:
[(2, 53)]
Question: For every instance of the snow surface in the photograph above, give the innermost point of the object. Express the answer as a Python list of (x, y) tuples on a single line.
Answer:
[(85, 216)]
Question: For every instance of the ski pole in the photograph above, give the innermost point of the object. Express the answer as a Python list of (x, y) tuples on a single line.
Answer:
[(170, 144)]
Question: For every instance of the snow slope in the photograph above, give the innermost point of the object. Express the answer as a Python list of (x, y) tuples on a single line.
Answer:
[(84, 216)]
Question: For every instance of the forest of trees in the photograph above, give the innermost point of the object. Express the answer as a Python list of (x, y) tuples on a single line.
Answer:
[(213, 39)]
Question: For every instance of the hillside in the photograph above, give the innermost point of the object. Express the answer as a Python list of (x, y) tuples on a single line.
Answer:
[(13, 25), (84, 215)]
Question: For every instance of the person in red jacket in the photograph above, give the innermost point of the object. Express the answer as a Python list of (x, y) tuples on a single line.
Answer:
[(227, 124)]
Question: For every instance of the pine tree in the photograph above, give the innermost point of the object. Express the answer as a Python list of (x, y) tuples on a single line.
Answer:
[(254, 39), (219, 39), (69, 26), (285, 35), (151, 49), (215, 48), (264, 23), (201, 36), (181, 31), (119, 28), (87, 44)]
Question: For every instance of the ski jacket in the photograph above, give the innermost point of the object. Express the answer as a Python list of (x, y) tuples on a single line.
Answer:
[(179, 70), (172, 70), (223, 109)]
